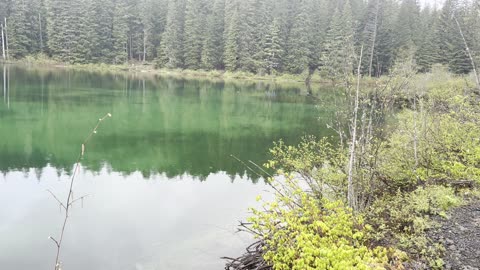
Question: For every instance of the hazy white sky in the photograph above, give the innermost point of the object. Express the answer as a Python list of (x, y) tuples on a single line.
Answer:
[(431, 2)]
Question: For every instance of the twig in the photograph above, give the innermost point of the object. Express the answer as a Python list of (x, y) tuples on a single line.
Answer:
[(469, 54), (267, 182), (56, 198), (67, 205), (248, 167), (78, 199), (260, 168)]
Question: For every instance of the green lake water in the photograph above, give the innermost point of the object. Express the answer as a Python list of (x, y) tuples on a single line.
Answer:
[(165, 190)]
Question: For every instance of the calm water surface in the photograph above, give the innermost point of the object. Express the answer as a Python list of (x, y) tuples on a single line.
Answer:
[(165, 191)]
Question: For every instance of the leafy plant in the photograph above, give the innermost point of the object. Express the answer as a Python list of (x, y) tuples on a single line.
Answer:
[(310, 233)]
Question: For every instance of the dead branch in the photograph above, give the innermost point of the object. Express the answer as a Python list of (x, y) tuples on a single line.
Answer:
[(353, 142), (251, 260), (70, 201), (469, 54)]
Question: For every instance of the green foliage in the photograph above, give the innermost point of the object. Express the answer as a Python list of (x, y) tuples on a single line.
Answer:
[(408, 25), (23, 28), (403, 176), (273, 48), (171, 47), (428, 52), (195, 22), (447, 146), (402, 219), (314, 234), (298, 43), (120, 34), (212, 52), (231, 56), (319, 163), (339, 51), (285, 36)]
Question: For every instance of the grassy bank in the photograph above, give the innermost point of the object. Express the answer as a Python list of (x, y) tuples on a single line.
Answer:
[(149, 69)]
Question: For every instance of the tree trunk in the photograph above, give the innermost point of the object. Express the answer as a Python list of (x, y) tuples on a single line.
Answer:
[(4, 83), (415, 136), (130, 56), (468, 52), (6, 38), (374, 39), (8, 86), (41, 32), (144, 46), (351, 191), (3, 42)]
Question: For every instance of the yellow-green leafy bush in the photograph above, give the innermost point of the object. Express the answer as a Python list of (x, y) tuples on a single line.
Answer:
[(317, 162), (310, 233), (447, 149)]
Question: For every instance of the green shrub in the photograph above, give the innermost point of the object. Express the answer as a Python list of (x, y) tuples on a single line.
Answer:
[(314, 234), (401, 221), (318, 163), (448, 148)]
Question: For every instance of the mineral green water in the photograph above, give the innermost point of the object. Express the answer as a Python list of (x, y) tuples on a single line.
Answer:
[(166, 192)]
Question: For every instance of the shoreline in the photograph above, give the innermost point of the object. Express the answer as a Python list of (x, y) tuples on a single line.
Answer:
[(149, 69)]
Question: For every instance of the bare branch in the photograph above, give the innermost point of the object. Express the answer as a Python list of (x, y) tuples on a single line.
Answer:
[(469, 54), (55, 241), (70, 200), (78, 199), (56, 198)]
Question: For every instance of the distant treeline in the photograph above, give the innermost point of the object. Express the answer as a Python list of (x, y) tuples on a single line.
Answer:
[(260, 36)]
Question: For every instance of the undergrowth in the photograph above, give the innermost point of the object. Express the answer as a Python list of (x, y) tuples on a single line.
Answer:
[(407, 176)]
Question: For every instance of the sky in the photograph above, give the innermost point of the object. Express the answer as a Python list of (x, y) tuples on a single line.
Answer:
[(431, 3)]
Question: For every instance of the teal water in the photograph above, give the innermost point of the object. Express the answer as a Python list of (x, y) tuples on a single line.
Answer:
[(166, 192)]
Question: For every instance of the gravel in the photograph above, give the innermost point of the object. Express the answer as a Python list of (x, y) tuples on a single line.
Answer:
[(460, 235)]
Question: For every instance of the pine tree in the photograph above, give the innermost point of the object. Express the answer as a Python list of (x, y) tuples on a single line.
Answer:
[(451, 46), (472, 32), (407, 25), (251, 32), (427, 53), (120, 33), (78, 29), (20, 29), (339, 50), (213, 46), (153, 19), (258, 36), (58, 24), (369, 33), (231, 43), (195, 23), (319, 24), (5, 9), (383, 58), (298, 48), (135, 44), (171, 47), (100, 35), (273, 49)]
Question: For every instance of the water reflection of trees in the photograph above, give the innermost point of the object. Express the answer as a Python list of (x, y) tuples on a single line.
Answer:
[(160, 125)]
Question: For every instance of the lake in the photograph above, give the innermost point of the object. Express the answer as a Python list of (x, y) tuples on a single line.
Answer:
[(165, 191)]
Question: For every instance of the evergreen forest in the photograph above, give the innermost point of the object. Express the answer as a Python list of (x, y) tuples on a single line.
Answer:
[(257, 36)]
